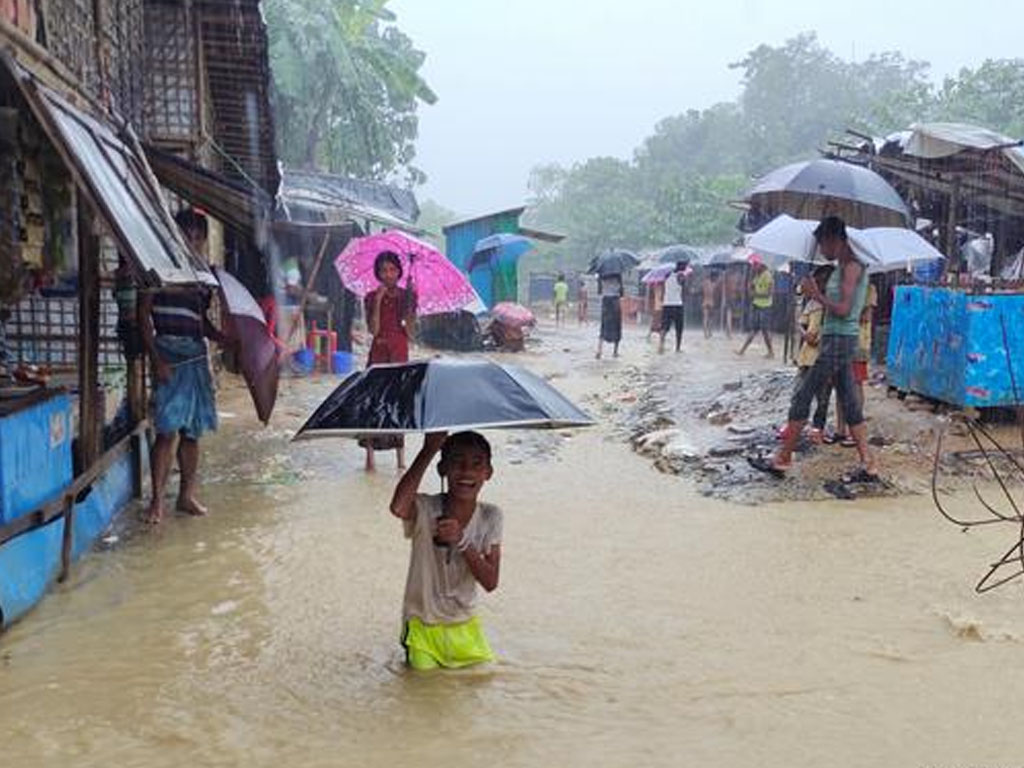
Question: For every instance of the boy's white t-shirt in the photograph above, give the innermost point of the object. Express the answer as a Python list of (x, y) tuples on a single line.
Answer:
[(673, 291), (440, 589)]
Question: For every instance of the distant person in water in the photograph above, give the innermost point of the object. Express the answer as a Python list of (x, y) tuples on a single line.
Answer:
[(455, 546), (732, 298), (610, 288), (390, 319), (762, 289), (561, 290), (672, 307), (709, 292), (582, 302)]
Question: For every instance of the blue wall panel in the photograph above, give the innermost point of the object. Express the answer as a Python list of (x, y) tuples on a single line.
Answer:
[(948, 345), (30, 563), (35, 456)]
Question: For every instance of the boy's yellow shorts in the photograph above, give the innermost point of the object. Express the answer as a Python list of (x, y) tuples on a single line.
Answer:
[(429, 646)]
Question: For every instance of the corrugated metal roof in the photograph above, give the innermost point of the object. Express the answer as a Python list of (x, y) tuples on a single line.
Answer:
[(314, 196), (244, 207), (114, 173)]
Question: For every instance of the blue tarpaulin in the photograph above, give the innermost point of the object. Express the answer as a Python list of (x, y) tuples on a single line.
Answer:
[(962, 349)]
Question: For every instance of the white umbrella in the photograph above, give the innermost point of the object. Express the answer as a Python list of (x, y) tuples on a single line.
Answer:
[(882, 249)]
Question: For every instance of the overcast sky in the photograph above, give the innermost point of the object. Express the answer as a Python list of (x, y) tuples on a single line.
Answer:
[(523, 82)]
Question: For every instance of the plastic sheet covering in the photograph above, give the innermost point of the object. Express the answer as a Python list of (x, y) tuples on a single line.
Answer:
[(456, 331), (441, 395)]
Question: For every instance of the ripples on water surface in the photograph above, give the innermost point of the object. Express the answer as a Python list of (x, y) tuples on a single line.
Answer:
[(636, 624)]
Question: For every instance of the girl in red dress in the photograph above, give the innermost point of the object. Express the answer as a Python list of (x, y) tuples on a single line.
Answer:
[(390, 318)]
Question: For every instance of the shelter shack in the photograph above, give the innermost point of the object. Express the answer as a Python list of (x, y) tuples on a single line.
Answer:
[(958, 343), (81, 216), (494, 282)]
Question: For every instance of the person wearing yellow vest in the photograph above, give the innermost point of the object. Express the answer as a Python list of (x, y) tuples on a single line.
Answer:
[(762, 286), (843, 298)]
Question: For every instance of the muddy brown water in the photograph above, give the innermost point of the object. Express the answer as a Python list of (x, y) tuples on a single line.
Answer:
[(637, 622)]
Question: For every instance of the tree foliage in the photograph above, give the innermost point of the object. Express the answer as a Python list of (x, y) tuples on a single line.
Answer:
[(347, 87), (794, 98)]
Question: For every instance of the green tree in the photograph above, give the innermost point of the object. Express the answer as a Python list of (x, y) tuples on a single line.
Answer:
[(991, 96), (598, 204), (347, 87), (433, 218), (798, 95)]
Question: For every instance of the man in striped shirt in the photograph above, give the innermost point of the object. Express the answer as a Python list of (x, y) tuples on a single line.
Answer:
[(175, 327)]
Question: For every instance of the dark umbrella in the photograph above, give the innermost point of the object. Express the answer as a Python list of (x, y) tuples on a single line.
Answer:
[(257, 350), (819, 188), (440, 395), (613, 262), (676, 253)]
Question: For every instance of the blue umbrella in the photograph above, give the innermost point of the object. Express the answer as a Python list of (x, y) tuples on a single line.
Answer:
[(500, 247)]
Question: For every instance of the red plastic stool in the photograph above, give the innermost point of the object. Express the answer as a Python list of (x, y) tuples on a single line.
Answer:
[(317, 340)]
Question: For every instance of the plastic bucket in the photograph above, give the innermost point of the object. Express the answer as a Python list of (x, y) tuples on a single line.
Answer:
[(341, 362), (304, 360)]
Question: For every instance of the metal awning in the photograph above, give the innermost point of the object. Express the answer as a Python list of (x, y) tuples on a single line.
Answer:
[(244, 208), (540, 234), (113, 173)]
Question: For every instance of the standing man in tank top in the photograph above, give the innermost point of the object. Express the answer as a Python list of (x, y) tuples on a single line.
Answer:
[(843, 300)]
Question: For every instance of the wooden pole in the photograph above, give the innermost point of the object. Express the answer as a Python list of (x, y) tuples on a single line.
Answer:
[(88, 337), (952, 257), (308, 287), (68, 539)]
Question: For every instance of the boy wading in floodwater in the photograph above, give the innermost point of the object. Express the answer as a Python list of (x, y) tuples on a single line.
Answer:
[(456, 544)]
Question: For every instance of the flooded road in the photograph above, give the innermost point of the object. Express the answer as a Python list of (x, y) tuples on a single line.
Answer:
[(637, 622)]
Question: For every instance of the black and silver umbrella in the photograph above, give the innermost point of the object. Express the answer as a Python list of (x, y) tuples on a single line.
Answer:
[(440, 395), (673, 254), (819, 188), (614, 262)]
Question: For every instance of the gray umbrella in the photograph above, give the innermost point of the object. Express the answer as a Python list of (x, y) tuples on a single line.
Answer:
[(676, 253), (818, 188), (613, 262)]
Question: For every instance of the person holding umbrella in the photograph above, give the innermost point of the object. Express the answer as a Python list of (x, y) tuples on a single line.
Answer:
[(843, 299), (672, 310), (611, 290), (390, 318), (455, 546)]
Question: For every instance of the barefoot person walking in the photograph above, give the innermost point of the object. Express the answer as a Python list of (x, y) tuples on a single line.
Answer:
[(174, 332), (843, 299), (762, 288)]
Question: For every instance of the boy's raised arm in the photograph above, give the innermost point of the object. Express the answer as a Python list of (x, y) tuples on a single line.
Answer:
[(404, 501)]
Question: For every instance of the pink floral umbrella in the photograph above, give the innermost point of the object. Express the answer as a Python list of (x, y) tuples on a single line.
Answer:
[(439, 285)]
